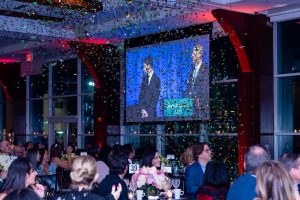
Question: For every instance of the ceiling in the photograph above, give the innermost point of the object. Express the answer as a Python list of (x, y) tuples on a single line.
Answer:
[(44, 26)]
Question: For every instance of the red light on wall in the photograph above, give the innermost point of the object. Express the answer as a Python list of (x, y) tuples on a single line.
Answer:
[(9, 60), (29, 57), (99, 40), (99, 119)]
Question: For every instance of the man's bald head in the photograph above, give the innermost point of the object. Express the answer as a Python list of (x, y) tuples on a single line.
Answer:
[(255, 156), (5, 147)]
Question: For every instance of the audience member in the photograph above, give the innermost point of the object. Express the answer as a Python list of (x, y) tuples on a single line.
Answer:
[(46, 168), (130, 148), (118, 166), (5, 147), (151, 158), (292, 163), (215, 182), (244, 187), (38, 146), (187, 157), (92, 151), (102, 163), (21, 174), (74, 147), (19, 151), (22, 194), (131, 153), (274, 182), (28, 145), (5, 156), (56, 151), (194, 173), (83, 176), (34, 156), (3, 175)]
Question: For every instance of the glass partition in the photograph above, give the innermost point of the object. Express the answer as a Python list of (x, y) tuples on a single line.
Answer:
[(287, 87), (64, 77)]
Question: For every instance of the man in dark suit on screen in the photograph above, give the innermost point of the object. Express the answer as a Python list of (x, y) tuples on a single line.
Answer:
[(198, 84), (149, 92)]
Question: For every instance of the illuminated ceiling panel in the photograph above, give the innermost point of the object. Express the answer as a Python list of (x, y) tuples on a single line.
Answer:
[(87, 5), (223, 1)]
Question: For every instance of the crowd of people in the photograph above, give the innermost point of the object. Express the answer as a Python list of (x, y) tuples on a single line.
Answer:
[(103, 174)]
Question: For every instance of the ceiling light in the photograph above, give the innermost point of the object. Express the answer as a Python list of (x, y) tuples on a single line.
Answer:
[(223, 1)]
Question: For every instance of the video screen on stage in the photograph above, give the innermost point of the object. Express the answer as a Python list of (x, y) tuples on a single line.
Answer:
[(168, 81)]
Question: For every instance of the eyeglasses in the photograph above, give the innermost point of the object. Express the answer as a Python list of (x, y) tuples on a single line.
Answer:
[(32, 170), (207, 150)]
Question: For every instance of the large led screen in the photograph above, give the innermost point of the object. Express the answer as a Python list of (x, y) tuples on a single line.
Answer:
[(168, 81)]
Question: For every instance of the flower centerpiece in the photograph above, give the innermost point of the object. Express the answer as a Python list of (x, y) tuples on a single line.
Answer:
[(150, 180), (65, 157), (6, 160)]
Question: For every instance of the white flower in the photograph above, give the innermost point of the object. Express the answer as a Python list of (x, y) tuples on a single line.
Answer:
[(152, 170), (144, 170), (6, 160), (141, 180), (150, 176)]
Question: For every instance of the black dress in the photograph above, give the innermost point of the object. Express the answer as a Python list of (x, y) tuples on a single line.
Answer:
[(83, 195), (104, 187)]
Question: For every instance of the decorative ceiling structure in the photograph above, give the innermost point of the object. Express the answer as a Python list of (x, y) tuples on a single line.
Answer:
[(34, 24)]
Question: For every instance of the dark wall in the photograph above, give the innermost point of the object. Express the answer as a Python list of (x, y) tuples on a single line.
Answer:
[(16, 101)]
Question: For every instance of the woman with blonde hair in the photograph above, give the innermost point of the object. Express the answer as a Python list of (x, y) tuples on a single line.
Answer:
[(83, 176), (273, 182)]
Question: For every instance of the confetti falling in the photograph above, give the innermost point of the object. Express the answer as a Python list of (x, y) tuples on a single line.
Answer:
[(223, 109)]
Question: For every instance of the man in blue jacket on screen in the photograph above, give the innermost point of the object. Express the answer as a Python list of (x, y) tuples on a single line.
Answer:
[(149, 92), (198, 84), (193, 177), (244, 187)]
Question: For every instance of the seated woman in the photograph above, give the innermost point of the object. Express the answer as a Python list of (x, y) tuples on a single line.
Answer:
[(46, 168), (56, 152), (21, 175), (34, 156), (151, 158), (83, 176), (216, 182), (273, 181)]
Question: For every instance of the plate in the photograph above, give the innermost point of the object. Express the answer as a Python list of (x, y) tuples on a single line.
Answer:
[(153, 197)]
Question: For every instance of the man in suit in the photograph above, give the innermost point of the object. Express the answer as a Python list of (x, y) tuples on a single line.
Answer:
[(198, 84), (149, 92), (118, 166), (193, 177), (131, 154), (244, 187), (292, 163)]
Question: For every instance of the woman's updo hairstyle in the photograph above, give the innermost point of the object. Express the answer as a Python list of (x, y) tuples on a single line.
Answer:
[(83, 171)]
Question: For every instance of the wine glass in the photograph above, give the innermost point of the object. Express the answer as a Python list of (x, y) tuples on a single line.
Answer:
[(133, 186), (175, 182), (168, 183)]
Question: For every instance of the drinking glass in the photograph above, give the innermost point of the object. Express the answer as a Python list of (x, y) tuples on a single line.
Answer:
[(168, 184), (175, 182), (133, 186)]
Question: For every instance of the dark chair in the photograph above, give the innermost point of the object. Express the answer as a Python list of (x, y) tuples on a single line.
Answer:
[(63, 179)]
